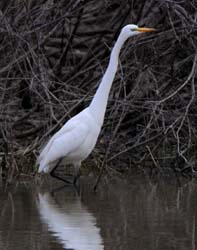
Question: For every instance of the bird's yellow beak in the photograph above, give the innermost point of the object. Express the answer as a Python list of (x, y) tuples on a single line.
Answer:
[(144, 29)]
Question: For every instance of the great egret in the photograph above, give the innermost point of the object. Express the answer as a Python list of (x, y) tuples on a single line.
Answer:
[(76, 139)]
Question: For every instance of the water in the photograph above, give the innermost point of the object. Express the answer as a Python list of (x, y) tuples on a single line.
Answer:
[(124, 215)]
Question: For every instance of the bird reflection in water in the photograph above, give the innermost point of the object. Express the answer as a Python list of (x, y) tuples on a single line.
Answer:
[(70, 221)]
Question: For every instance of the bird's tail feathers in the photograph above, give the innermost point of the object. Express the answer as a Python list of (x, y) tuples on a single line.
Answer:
[(43, 167)]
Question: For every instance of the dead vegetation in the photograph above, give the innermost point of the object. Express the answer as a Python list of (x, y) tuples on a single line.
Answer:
[(53, 55)]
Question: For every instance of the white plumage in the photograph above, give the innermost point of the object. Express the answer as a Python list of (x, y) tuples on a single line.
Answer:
[(74, 142), (77, 138)]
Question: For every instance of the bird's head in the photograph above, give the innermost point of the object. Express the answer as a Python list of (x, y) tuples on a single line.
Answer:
[(132, 29)]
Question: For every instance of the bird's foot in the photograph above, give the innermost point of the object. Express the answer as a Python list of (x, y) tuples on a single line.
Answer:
[(76, 178), (68, 182)]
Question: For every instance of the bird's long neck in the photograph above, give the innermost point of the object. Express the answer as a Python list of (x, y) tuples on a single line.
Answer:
[(99, 102)]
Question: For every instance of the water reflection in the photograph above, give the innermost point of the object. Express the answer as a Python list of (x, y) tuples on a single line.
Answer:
[(138, 214), (70, 221)]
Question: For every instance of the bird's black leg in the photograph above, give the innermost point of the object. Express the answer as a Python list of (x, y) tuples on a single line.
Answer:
[(52, 173), (77, 176)]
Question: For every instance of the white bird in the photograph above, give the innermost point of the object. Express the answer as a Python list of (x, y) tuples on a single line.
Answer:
[(70, 222), (77, 138)]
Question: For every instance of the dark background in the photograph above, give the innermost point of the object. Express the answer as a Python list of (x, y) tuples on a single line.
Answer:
[(53, 56)]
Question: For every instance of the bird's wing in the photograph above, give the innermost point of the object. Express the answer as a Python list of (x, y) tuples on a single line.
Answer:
[(61, 144), (70, 125), (68, 142)]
